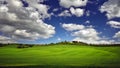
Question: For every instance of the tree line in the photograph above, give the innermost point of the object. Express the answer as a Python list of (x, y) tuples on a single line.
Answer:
[(59, 43)]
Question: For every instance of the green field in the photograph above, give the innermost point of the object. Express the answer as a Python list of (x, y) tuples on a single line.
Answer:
[(60, 56)]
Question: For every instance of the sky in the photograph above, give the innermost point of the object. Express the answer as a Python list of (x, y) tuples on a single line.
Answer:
[(51, 21)]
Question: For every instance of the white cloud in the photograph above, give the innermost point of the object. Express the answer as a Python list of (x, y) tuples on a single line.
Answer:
[(56, 9), (112, 7), (59, 39), (117, 35), (75, 3), (16, 3), (24, 34), (87, 22), (72, 27), (92, 41), (114, 24), (4, 39), (20, 22), (90, 34), (65, 13), (85, 34), (87, 13), (4, 8), (77, 12), (42, 9)]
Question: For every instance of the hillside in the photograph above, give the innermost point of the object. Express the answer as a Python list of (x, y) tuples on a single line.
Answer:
[(59, 56)]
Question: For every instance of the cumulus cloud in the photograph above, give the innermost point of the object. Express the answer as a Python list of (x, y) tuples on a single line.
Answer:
[(92, 41), (42, 9), (114, 24), (56, 9), (72, 27), (90, 34), (59, 39), (117, 35), (112, 7), (4, 39), (87, 22), (75, 3), (20, 22), (65, 13), (85, 34), (77, 12)]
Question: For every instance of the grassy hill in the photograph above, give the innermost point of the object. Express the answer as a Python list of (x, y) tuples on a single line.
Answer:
[(60, 56)]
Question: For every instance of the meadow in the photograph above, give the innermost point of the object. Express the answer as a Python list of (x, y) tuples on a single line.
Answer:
[(60, 56)]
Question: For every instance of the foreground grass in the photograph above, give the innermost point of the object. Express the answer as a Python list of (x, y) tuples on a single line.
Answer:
[(61, 56)]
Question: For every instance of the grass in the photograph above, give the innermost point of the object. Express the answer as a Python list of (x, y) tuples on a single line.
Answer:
[(60, 56)]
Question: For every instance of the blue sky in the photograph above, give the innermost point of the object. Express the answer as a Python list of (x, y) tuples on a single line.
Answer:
[(47, 21)]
